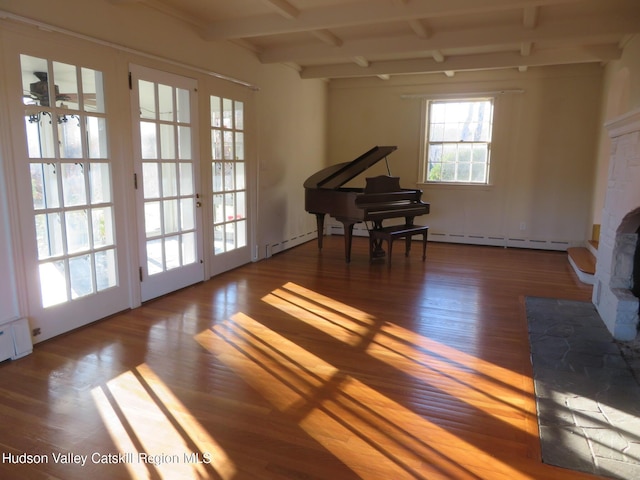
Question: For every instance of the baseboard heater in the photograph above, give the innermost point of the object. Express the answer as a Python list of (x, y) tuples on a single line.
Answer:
[(476, 239), (15, 339)]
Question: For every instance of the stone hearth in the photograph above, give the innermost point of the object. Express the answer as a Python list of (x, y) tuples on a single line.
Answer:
[(612, 295)]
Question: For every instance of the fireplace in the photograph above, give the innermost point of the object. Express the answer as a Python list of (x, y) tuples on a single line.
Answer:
[(635, 279), (616, 267)]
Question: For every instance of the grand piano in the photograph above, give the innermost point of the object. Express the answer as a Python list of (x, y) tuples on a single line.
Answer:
[(381, 199)]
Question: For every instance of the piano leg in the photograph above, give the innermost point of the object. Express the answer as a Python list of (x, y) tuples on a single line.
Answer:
[(348, 236), (320, 223), (376, 250)]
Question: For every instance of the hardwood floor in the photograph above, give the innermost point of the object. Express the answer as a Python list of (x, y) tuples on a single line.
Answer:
[(299, 367)]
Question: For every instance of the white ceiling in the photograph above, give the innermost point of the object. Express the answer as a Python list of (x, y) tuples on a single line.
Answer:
[(355, 38)]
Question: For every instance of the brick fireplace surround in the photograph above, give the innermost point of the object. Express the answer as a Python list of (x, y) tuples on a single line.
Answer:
[(612, 296)]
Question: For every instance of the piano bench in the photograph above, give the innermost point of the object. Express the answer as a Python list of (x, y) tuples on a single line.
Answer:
[(389, 234)]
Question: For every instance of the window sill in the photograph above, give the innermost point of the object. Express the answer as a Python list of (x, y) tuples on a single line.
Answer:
[(456, 186)]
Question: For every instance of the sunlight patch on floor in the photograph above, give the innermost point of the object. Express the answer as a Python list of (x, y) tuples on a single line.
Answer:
[(369, 432), (161, 436)]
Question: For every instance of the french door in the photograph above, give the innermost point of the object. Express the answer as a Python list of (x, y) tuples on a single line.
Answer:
[(67, 202), (167, 171)]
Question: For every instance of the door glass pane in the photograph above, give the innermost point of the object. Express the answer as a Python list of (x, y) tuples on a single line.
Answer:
[(147, 94), (151, 180), (152, 224), (165, 102), (73, 184), (230, 236), (218, 209), (169, 180), (44, 185), (187, 218), (218, 237), (39, 130), (105, 269), (102, 225), (239, 146), (228, 146), (241, 234), (172, 252), (229, 206), (171, 220), (80, 272), (229, 176), (100, 182), (69, 136), (216, 112), (49, 235), (216, 144), (241, 211), (97, 137), (184, 106), (240, 176), (92, 90), (184, 143), (148, 141), (227, 113), (65, 78), (239, 118), (155, 264), (189, 248), (53, 283), (217, 176), (186, 178), (35, 81), (77, 230), (167, 142)]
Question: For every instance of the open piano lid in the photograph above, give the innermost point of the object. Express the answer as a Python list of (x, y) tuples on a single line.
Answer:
[(337, 175)]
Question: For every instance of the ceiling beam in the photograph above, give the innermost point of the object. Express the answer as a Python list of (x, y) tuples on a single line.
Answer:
[(350, 14), (437, 56), (591, 31), (468, 62), (530, 17), (361, 62), (419, 28), (284, 8), (327, 37)]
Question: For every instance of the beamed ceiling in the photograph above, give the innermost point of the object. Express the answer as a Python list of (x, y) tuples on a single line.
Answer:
[(355, 38)]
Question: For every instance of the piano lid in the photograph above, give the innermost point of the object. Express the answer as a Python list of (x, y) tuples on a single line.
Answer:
[(337, 175)]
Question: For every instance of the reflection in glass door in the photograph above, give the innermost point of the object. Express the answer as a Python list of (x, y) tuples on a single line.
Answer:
[(168, 201)]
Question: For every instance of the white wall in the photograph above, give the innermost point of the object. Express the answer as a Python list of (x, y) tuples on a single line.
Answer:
[(543, 150)]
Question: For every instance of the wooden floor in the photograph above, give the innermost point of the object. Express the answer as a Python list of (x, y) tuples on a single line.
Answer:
[(299, 367)]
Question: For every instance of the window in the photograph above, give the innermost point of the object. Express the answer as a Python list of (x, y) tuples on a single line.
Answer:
[(458, 141)]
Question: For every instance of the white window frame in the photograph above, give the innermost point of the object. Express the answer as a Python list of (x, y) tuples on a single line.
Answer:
[(426, 143)]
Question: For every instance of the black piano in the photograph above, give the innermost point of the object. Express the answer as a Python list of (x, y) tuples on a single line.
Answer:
[(381, 199)]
